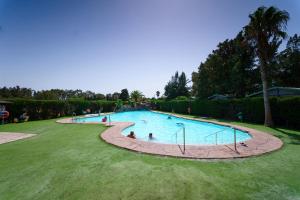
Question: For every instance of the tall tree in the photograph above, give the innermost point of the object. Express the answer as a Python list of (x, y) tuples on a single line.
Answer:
[(124, 95), (157, 93), (288, 67), (115, 96), (177, 86), (183, 89), (229, 69), (265, 32), (109, 97), (16, 92), (99, 96), (171, 87), (243, 73)]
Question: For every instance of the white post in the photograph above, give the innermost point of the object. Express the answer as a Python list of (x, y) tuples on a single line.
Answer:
[(234, 139)]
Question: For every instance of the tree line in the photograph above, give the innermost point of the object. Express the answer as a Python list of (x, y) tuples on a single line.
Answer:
[(59, 94), (234, 70), (249, 62)]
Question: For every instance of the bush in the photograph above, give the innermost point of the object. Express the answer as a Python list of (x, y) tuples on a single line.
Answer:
[(181, 98), (285, 110)]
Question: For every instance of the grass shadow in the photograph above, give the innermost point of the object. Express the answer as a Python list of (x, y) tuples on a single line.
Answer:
[(295, 138)]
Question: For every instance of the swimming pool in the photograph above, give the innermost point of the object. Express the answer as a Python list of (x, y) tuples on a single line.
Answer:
[(171, 130)]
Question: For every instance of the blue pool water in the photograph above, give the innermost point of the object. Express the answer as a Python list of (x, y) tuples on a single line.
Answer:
[(170, 131)]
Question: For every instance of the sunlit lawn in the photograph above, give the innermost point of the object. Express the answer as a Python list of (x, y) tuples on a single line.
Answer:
[(72, 162)]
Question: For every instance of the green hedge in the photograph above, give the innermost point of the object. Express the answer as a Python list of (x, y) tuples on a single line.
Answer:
[(285, 110), (46, 109)]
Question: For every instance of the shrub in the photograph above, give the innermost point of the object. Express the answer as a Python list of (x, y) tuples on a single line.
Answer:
[(181, 98)]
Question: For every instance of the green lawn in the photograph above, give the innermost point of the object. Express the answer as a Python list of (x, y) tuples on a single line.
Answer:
[(69, 161)]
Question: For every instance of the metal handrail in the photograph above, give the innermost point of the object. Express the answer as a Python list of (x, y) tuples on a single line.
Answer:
[(109, 120), (216, 134), (176, 133)]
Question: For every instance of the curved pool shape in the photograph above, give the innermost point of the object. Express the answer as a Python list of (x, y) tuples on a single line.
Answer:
[(170, 131)]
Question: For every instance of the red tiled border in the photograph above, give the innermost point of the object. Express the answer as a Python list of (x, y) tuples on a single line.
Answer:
[(260, 143)]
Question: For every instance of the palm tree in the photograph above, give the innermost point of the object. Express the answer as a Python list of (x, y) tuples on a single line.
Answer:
[(136, 95), (265, 32), (119, 104)]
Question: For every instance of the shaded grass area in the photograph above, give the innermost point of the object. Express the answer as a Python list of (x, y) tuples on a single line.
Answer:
[(70, 161)]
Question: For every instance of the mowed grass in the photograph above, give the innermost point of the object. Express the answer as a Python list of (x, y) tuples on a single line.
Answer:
[(70, 161)]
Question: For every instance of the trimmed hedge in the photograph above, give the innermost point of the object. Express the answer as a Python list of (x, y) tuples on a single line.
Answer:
[(285, 110), (47, 109)]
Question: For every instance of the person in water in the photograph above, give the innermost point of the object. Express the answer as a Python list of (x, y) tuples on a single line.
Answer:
[(104, 119), (131, 135), (151, 136), (169, 117)]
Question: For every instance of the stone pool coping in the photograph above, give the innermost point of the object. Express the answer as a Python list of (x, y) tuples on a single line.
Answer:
[(6, 137), (259, 144)]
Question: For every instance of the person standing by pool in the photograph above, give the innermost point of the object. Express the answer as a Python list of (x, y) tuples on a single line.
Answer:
[(131, 135)]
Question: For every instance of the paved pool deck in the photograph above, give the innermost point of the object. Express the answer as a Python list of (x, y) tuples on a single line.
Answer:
[(6, 137), (260, 143)]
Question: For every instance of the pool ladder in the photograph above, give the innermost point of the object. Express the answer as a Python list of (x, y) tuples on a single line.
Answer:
[(182, 127), (216, 136)]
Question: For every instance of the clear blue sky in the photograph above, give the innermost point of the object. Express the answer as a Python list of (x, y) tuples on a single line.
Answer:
[(108, 45)]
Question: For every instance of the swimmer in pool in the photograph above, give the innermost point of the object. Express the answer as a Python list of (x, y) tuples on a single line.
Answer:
[(151, 136), (131, 135)]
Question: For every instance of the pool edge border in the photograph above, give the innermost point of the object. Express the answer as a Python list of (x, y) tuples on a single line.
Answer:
[(261, 142)]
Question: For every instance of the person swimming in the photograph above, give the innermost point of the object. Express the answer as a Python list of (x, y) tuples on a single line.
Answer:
[(131, 135), (151, 136), (169, 117), (104, 119)]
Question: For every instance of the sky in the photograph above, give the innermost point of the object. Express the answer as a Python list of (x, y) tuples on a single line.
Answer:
[(105, 46)]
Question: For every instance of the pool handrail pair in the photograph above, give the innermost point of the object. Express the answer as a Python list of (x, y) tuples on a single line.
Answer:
[(181, 128), (216, 134)]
